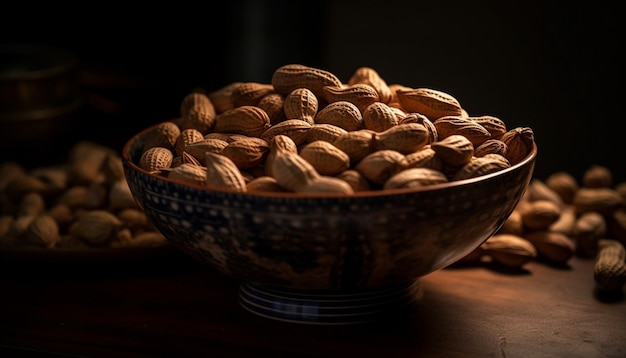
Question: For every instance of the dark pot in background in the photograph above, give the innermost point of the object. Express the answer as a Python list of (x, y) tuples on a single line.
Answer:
[(39, 97)]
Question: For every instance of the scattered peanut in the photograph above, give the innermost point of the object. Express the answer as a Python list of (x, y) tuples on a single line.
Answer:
[(553, 246), (609, 271), (540, 214), (509, 249), (588, 220), (85, 203)]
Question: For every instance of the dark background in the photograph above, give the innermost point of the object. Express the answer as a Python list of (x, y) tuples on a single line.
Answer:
[(554, 69)]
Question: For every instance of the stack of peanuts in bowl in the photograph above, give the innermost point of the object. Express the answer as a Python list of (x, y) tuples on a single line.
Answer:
[(82, 204), (562, 217), (309, 132)]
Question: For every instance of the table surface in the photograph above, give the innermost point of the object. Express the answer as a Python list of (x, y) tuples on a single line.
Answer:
[(169, 305)]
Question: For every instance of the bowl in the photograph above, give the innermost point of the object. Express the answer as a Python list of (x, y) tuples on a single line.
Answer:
[(326, 258)]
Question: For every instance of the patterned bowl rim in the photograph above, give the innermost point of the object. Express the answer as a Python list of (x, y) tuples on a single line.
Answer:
[(127, 159)]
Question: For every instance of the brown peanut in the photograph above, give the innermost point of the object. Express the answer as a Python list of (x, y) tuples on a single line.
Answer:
[(197, 112), (164, 134), (609, 271), (433, 136), (357, 144), (189, 173), (289, 77), (325, 157), (379, 117), (455, 150), (553, 246), (62, 214), (479, 167), (198, 148), (589, 229), (379, 166), (491, 146), (513, 224), (472, 130), (134, 219), (273, 105), (265, 183), (540, 214), (247, 152), (563, 184), (509, 249), (221, 98), (142, 239), (519, 142), (395, 87), (355, 179), (296, 129), (369, 76), (251, 121), (9, 171), (597, 176), (187, 136), (494, 125), (414, 177), (602, 200), (249, 93), (30, 204), (429, 102), (566, 222), (43, 231), (359, 94), (406, 138), (324, 131), (222, 173), (424, 158), (278, 144), (155, 159), (293, 172), (85, 160), (538, 190), (96, 227), (343, 114), (327, 184), (301, 103)]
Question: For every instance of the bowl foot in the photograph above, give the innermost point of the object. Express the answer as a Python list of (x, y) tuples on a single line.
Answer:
[(328, 307)]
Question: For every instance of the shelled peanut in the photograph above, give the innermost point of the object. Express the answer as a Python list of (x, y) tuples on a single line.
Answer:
[(343, 136), (82, 203)]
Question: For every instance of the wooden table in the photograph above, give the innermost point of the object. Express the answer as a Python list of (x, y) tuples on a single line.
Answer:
[(171, 306)]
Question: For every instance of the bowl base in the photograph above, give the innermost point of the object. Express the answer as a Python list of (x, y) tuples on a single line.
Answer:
[(328, 307)]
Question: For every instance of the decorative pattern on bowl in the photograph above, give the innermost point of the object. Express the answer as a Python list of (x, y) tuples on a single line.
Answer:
[(368, 240)]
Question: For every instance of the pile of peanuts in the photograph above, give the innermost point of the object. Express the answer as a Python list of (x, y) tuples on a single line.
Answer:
[(309, 132), (84, 203), (562, 217)]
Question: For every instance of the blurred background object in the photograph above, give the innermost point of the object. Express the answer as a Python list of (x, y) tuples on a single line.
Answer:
[(39, 94), (532, 64)]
